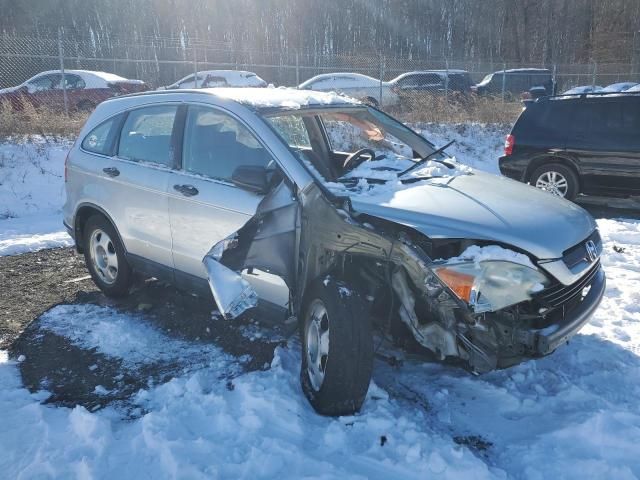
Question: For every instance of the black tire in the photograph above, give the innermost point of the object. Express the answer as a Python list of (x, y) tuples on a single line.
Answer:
[(119, 286), (349, 362), (573, 184)]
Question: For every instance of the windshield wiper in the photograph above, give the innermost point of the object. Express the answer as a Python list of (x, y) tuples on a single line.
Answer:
[(423, 160)]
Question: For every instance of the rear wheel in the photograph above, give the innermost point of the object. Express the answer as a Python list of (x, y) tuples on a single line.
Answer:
[(105, 257), (337, 348), (556, 179)]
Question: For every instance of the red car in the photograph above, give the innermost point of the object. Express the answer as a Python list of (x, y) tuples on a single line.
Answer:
[(85, 89)]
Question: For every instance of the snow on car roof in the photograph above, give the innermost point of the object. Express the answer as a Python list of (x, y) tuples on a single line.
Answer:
[(329, 76), (107, 77), (288, 98)]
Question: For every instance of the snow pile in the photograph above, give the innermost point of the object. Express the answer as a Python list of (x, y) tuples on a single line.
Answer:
[(477, 145), (32, 194), (478, 254)]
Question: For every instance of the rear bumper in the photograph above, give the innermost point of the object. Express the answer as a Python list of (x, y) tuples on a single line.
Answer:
[(512, 168), (69, 229)]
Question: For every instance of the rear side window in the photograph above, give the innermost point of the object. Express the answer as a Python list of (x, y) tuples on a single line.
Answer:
[(101, 139), (609, 125), (544, 124), (146, 135)]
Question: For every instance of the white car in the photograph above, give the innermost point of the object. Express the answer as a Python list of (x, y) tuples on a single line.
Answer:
[(619, 87), (362, 87), (219, 78), (583, 89)]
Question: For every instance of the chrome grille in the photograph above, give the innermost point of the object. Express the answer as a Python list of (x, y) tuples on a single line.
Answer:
[(559, 294)]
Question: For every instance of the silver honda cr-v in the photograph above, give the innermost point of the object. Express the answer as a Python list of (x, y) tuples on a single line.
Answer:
[(366, 223)]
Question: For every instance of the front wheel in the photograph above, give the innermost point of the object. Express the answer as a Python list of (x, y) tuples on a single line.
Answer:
[(337, 348), (556, 179)]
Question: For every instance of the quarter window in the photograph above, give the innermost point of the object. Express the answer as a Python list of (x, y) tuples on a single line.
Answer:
[(215, 144), (146, 135), (101, 139)]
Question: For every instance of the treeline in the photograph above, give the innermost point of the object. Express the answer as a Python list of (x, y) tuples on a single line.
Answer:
[(517, 31)]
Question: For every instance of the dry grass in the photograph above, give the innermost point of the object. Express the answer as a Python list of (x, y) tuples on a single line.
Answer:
[(425, 107), (30, 121)]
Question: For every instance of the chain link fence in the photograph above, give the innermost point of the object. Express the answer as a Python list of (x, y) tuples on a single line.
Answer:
[(438, 90)]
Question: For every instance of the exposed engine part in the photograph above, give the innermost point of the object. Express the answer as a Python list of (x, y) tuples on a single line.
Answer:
[(431, 335)]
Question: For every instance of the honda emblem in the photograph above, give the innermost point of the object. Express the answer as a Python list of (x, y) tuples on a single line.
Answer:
[(592, 251)]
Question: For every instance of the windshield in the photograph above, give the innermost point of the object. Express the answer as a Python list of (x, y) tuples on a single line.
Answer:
[(356, 146)]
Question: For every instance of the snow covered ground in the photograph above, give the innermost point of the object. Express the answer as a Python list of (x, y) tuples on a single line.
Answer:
[(574, 414), (32, 194)]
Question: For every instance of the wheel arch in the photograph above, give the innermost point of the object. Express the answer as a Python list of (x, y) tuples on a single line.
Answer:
[(83, 213), (565, 160)]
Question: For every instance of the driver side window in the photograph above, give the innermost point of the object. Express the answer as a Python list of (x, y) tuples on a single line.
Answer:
[(45, 82), (215, 144)]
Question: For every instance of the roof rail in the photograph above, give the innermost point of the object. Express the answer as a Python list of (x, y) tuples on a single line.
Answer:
[(583, 95)]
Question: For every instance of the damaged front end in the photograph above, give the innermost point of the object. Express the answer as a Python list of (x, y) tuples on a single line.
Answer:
[(488, 313)]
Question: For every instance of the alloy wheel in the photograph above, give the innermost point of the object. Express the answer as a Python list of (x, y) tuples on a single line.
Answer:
[(317, 342), (554, 183), (103, 256)]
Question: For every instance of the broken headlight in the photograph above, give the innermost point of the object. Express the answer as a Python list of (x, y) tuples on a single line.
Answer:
[(491, 285)]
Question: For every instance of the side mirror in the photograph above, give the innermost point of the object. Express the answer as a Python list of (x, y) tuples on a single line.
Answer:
[(251, 177)]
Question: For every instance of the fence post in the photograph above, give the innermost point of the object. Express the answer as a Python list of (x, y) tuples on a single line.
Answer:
[(195, 67), (504, 80), (446, 80), (64, 83), (381, 80), (297, 70), (595, 71), (554, 85)]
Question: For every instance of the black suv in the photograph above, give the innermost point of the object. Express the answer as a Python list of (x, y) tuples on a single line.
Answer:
[(586, 144), (517, 82)]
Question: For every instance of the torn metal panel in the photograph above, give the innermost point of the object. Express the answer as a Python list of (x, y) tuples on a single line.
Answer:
[(232, 293), (267, 241)]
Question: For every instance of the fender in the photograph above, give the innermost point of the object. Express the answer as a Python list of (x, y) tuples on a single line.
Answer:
[(77, 230)]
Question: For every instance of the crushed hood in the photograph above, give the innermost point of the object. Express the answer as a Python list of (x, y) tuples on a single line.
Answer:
[(481, 206)]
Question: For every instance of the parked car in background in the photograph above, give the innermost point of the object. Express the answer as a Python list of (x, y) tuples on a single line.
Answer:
[(362, 87), (583, 144), (516, 82), (381, 232), (85, 89), (583, 89), (219, 78), (433, 81), (619, 87), (634, 89)]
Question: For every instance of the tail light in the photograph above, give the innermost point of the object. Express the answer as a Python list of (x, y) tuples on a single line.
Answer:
[(66, 166), (509, 143)]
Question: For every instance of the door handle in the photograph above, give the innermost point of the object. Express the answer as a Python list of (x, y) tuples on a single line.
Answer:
[(111, 171), (186, 190)]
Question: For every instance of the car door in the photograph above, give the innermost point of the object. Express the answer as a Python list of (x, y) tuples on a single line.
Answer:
[(137, 178), (605, 140), (205, 206)]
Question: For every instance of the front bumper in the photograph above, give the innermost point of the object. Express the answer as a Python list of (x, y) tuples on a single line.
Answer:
[(544, 341), (551, 337)]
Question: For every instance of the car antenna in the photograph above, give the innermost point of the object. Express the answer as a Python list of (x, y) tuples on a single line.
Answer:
[(424, 159)]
